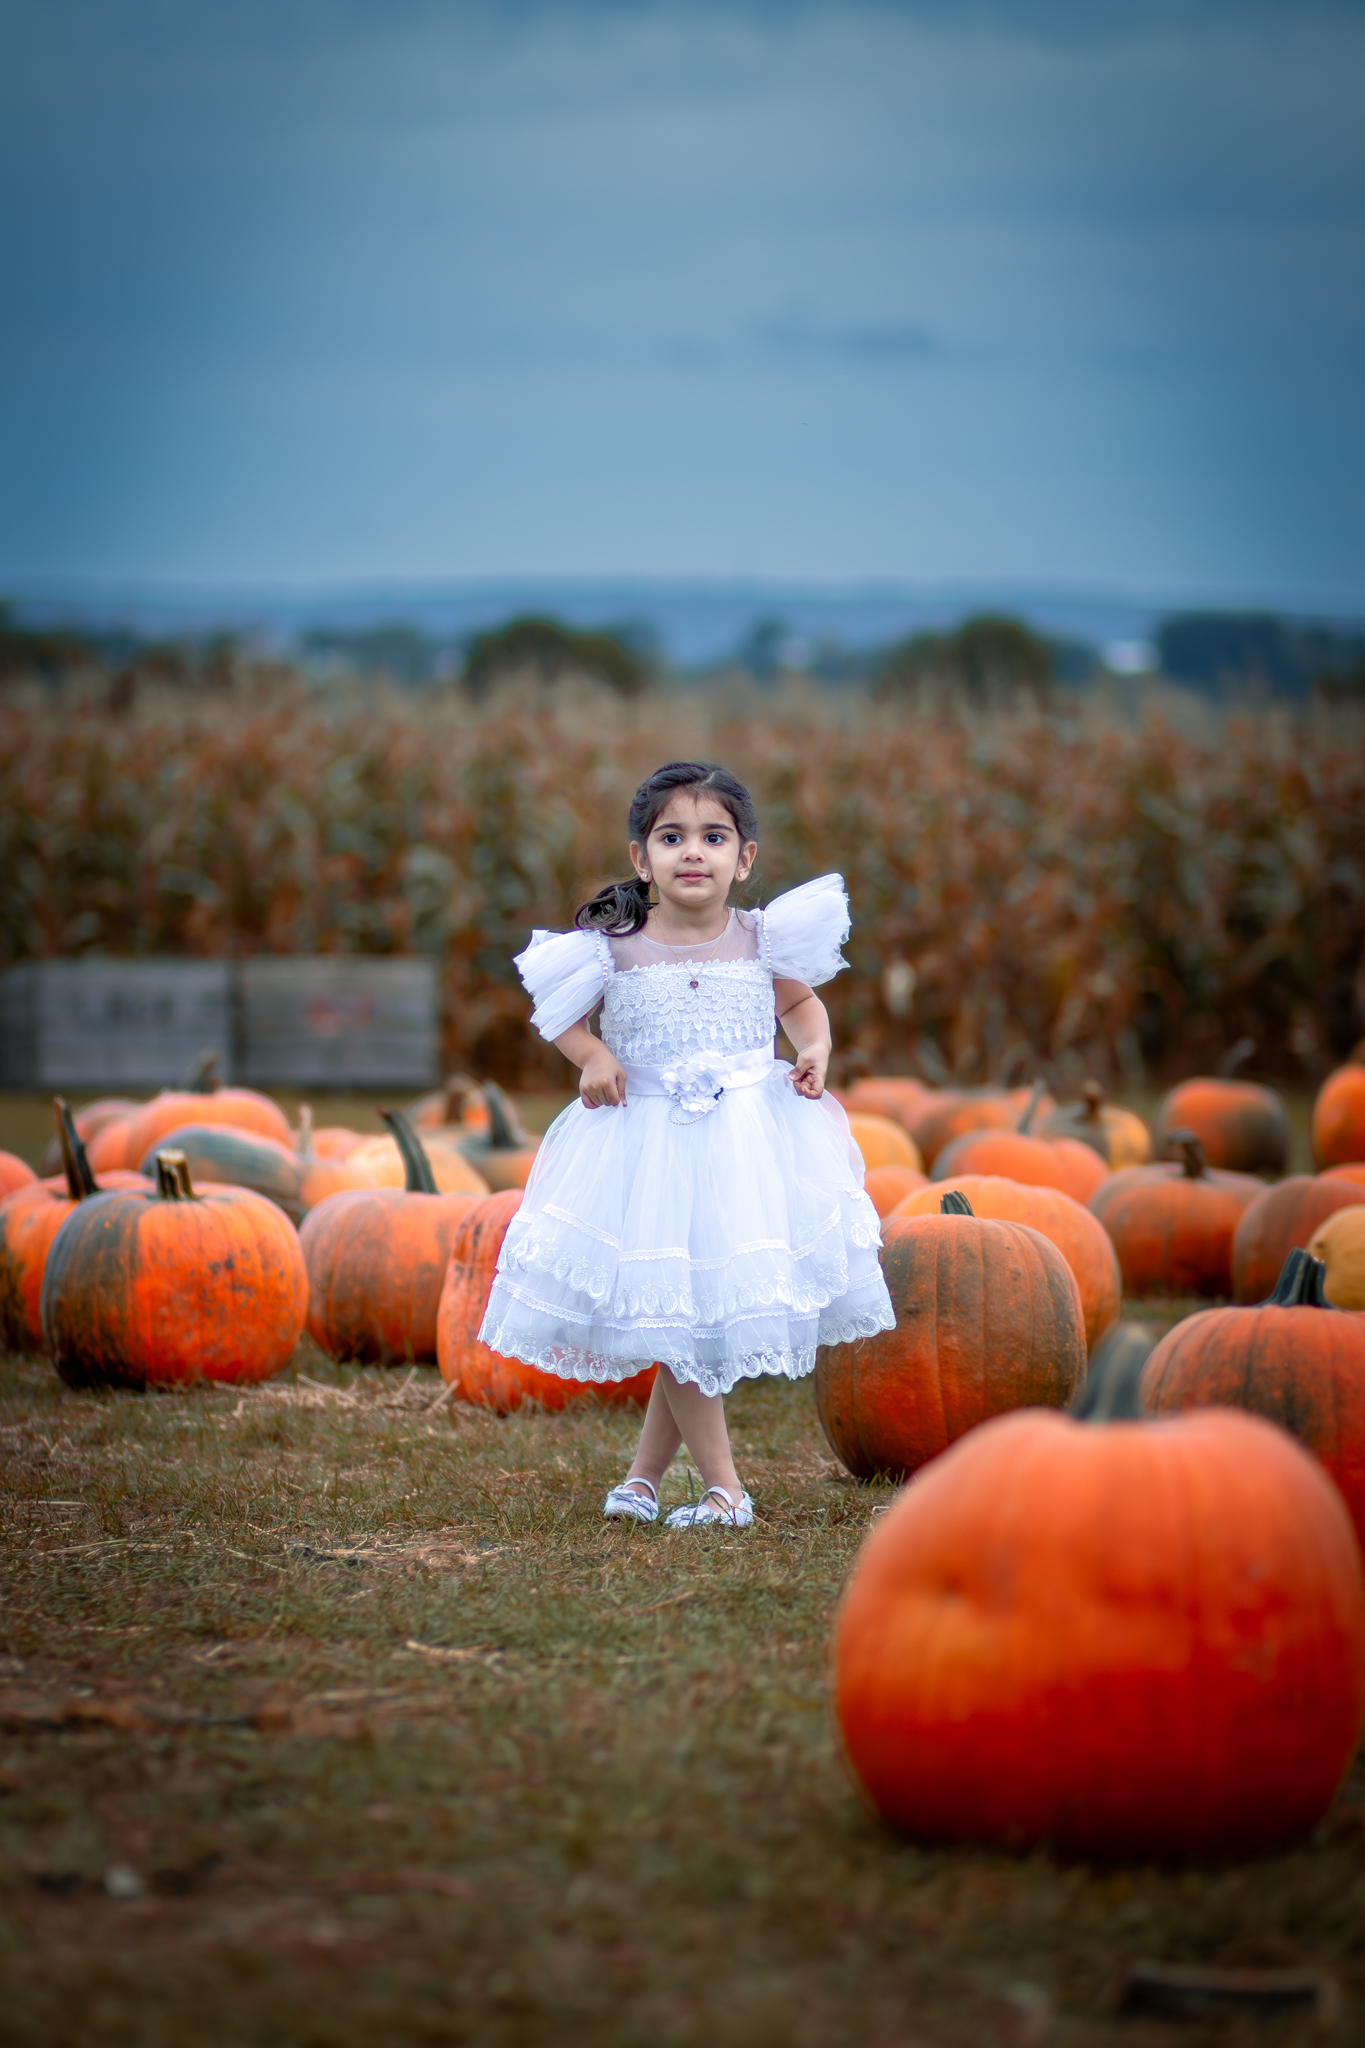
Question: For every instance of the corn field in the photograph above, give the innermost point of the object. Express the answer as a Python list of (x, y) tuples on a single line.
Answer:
[(1066, 891)]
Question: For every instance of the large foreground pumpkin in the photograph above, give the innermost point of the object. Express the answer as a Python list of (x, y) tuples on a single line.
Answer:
[(30, 1218), (1339, 1114), (377, 1261), (1283, 1219), (988, 1317), (170, 1284), (1242, 1127), (485, 1378), (1123, 1639), (1080, 1237), (1294, 1359), (1173, 1225)]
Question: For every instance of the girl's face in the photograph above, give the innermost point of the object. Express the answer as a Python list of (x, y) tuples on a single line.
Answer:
[(694, 853)]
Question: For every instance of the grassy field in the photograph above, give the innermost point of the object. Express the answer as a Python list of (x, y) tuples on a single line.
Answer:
[(329, 1716)]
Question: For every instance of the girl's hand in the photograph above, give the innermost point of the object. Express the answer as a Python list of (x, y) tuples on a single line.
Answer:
[(602, 1083), (808, 1075)]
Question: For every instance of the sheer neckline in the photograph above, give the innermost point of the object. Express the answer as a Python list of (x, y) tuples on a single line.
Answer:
[(677, 952)]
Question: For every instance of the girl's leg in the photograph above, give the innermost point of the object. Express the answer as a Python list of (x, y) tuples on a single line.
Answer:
[(659, 1438), (699, 1419)]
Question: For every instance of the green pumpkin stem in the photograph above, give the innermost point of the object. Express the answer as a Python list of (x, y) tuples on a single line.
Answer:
[(416, 1165), (955, 1203), (80, 1180), (503, 1132), (1112, 1388), (1031, 1106), (173, 1183), (1191, 1153), (201, 1078), (1236, 1056), (1300, 1284)]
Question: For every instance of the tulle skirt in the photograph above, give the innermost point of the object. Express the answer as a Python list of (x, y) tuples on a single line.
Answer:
[(725, 1247)]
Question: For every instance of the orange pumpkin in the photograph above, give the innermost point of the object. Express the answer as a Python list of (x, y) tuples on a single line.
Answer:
[(504, 1152), (1340, 1244), (1282, 1219), (1294, 1358), (377, 1261), (168, 1284), (988, 1316), (1172, 1225), (882, 1142), (1035, 1162), (335, 1141), (453, 1174), (458, 1102), (1339, 1114), (885, 1186), (89, 1122), (1080, 1237), (485, 1378), (1121, 1639), (1243, 1128), (15, 1173), (30, 1218), (1119, 1136), (891, 1095), (1355, 1171), (951, 1113), (128, 1140)]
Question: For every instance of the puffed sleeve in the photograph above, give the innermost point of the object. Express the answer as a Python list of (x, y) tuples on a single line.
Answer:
[(804, 930), (564, 974)]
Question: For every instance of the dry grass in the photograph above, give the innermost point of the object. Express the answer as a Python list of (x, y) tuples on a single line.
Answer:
[(399, 1741)]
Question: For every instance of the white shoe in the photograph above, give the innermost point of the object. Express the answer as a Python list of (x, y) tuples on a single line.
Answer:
[(624, 1504), (715, 1505)]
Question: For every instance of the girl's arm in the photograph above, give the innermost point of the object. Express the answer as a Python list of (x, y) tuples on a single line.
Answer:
[(805, 1020), (602, 1083)]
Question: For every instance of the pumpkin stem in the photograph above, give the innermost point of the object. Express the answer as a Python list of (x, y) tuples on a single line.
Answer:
[(173, 1182), (201, 1077), (456, 1090), (80, 1180), (1191, 1153), (955, 1203), (1031, 1106), (1235, 1056), (416, 1165), (1300, 1284), (504, 1130), (1094, 1101), (1111, 1390), (303, 1144)]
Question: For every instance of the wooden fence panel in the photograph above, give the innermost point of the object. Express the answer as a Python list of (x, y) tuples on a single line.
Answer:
[(112, 1024), (340, 1022)]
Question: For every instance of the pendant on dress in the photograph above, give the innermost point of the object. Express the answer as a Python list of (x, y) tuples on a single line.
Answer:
[(693, 984)]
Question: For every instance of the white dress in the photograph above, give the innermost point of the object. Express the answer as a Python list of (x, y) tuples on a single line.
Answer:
[(717, 1222)]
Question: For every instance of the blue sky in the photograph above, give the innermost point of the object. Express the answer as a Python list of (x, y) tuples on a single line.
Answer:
[(315, 291)]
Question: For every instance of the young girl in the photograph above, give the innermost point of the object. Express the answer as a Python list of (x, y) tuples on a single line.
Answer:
[(702, 1203)]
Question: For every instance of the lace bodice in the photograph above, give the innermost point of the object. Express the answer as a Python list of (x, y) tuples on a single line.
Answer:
[(654, 1015), (650, 1011)]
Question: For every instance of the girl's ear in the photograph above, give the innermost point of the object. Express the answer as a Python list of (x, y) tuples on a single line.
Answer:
[(748, 853)]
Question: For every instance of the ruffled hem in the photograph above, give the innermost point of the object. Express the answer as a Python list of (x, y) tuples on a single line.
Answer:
[(569, 1362)]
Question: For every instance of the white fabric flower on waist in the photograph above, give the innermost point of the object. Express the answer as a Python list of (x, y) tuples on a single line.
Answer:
[(694, 1086)]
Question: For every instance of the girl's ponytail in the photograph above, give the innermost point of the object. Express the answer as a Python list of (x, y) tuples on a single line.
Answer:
[(621, 908)]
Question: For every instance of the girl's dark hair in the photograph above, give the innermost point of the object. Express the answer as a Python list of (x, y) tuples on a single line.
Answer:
[(622, 907)]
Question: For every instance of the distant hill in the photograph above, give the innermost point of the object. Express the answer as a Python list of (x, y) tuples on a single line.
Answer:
[(1231, 653)]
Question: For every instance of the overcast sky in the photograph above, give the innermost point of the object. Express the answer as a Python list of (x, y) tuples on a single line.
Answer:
[(317, 290)]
